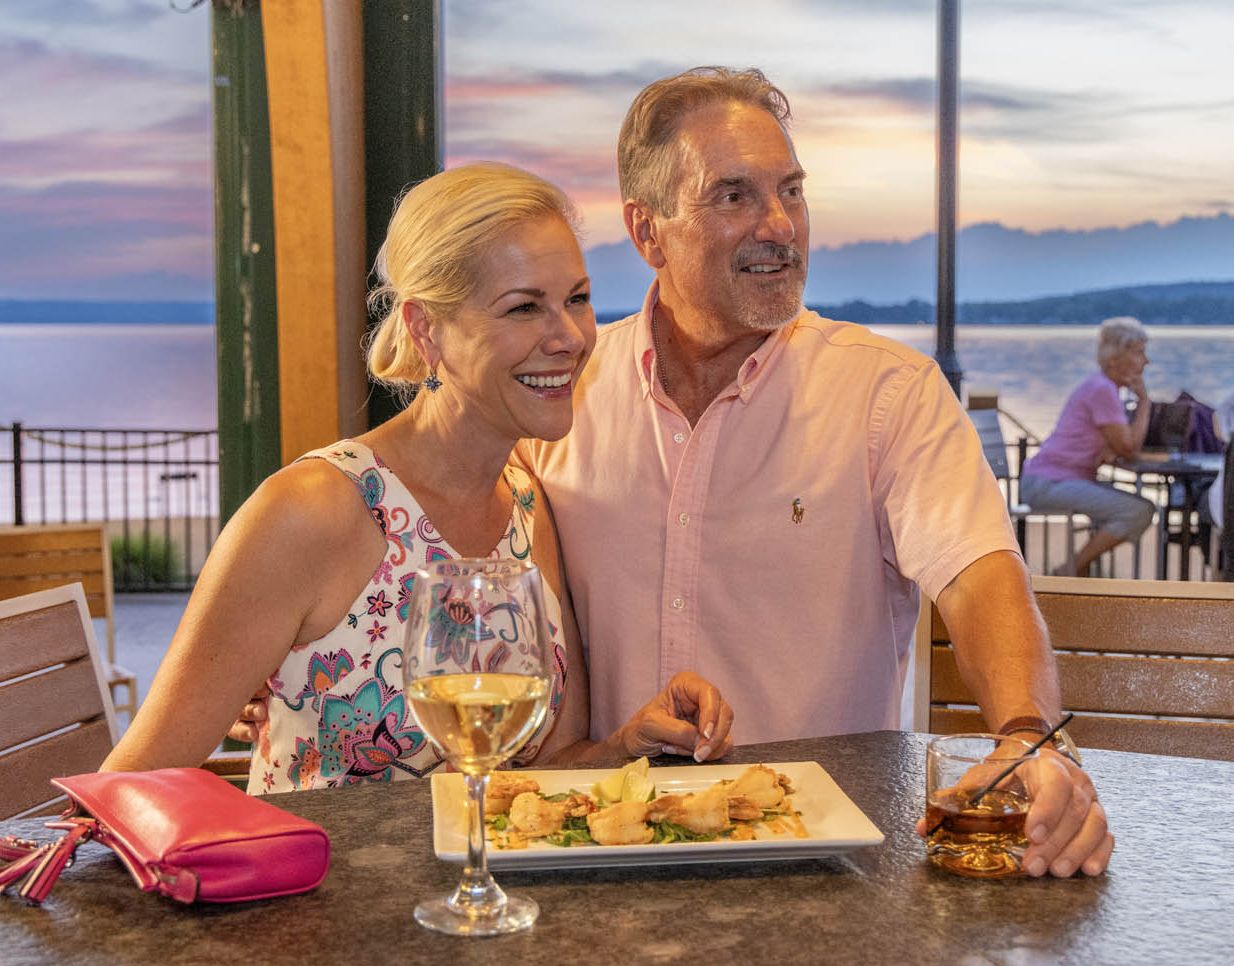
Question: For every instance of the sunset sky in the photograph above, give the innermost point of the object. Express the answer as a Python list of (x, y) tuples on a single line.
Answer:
[(1075, 114)]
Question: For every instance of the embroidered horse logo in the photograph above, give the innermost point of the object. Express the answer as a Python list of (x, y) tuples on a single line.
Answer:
[(798, 511)]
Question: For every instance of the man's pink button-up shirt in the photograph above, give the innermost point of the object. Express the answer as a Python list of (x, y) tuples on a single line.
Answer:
[(775, 546)]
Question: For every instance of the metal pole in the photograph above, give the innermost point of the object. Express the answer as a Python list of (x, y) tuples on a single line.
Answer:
[(948, 74), (17, 498)]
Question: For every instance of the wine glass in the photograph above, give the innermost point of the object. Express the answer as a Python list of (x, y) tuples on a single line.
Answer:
[(475, 675)]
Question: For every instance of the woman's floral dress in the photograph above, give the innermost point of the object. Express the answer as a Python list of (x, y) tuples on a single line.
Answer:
[(338, 715)]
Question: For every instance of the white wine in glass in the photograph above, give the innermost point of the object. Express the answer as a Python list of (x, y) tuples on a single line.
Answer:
[(475, 673)]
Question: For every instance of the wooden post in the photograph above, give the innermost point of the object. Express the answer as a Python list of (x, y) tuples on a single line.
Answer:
[(245, 299), (314, 80)]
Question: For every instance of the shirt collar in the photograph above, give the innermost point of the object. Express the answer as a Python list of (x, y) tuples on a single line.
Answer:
[(748, 376)]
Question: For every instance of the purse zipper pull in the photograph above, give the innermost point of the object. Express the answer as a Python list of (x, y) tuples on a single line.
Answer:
[(40, 868)]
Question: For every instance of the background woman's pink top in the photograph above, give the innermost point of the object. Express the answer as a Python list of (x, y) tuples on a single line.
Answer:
[(1074, 449)]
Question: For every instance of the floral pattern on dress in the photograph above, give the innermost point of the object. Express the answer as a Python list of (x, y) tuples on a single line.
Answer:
[(338, 721)]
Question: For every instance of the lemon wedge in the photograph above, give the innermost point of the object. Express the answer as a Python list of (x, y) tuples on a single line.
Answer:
[(629, 784), (636, 788)]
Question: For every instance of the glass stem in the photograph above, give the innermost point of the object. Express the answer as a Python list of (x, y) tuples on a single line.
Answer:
[(477, 894)]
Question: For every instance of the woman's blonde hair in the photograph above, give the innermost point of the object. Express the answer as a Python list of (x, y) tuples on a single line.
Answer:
[(648, 149), (434, 248), (1117, 335)]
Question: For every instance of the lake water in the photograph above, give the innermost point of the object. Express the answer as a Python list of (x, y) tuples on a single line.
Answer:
[(1033, 368), (153, 376), (163, 377), (108, 376)]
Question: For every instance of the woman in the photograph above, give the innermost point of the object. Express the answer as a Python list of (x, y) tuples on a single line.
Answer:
[(1093, 429), (490, 314)]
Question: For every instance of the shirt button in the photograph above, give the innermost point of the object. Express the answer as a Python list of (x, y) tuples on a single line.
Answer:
[(679, 437), (684, 519), (678, 603)]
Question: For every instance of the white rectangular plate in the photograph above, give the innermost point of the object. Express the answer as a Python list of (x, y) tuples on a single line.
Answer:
[(832, 821)]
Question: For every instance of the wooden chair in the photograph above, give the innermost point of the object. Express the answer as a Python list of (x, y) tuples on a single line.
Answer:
[(1145, 664), (231, 766), (38, 556), (56, 716)]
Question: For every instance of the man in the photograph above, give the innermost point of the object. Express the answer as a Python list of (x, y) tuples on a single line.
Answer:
[(755, 492)]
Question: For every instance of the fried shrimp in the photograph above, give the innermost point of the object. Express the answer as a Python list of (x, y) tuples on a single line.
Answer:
[(760, 786), (622, 824), (535, 817), (503, 788), (741, 809), (578, 805), (701, 812)]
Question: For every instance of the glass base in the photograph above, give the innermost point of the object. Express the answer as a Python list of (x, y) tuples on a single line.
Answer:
[(515, 916)]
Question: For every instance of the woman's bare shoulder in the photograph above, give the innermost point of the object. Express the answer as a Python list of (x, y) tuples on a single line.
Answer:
[(310, 500)]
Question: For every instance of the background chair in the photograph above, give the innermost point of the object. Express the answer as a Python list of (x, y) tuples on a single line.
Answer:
[(1145, 664), (1225, 543), (38, 556), (56, 716), (984, 414), (985, 421)]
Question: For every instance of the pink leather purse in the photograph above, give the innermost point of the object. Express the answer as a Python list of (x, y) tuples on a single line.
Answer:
[(182, 832)]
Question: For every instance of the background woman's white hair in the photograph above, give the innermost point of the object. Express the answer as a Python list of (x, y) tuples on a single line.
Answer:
[(1117, 335)]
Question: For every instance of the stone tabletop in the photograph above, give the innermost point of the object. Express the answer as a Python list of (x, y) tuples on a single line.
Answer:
[(1166, 899)]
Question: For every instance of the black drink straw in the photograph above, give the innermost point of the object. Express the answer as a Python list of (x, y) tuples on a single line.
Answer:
[(978, 796)]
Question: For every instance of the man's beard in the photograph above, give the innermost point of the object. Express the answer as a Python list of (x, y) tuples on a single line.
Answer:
[(774, 310)]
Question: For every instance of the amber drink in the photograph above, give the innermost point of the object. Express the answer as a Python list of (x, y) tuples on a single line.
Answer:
[(970, 833)]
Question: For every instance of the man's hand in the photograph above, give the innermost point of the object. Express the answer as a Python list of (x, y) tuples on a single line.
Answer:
[(248, 725), (689, 717), (1066, 825)]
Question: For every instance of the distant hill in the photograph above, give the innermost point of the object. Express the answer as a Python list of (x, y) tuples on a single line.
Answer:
[(16, 311), (1185, 303), (994, 263)]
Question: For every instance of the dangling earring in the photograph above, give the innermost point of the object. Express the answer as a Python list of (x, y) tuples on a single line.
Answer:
[(432, 383)]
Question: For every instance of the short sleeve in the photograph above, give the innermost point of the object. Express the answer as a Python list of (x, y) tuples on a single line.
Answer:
[(941, 508), (1104, 404)]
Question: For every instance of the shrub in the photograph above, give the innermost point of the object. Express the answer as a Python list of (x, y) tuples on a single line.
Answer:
[(139, 560)]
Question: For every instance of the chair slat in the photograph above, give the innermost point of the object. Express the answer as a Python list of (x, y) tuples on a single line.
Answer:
[(39, 705), (1146, 625), (84, 560), (38, 639), (1186, 739), (28, 770), (48, 537), (92, 583), (1128, 685)]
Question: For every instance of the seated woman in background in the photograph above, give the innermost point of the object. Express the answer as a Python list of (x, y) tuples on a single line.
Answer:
[(489, 313), (1093, 429)]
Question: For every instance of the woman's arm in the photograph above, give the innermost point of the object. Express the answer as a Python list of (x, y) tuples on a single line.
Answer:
[(1127, 439), (274, 578)]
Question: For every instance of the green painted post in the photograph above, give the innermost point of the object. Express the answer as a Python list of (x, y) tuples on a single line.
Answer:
[(402, 122), (246, 316)]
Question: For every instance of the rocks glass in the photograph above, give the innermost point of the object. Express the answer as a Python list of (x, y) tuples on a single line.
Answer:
[(972, 833)]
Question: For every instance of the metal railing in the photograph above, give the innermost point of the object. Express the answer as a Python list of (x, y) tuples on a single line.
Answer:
[(155, 489)]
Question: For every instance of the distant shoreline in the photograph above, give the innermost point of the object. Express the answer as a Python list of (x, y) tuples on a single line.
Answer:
[(1204, 304)]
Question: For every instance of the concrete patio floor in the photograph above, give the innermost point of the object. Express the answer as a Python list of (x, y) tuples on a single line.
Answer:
[(145, 624)]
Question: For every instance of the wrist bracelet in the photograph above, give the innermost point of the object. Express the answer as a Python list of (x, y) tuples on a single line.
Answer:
[(1061, 742)]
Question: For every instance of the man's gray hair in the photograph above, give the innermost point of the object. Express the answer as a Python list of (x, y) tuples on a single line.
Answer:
[(647, 149), (1117, 335)]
